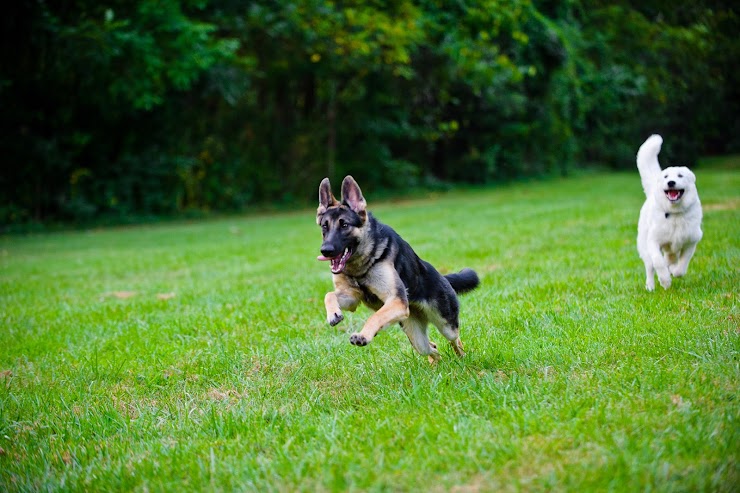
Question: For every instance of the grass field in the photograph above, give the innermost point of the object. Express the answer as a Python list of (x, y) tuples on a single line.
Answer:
[(196, 356)]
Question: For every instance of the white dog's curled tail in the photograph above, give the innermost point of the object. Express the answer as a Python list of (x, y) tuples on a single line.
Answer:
[(647, 161)]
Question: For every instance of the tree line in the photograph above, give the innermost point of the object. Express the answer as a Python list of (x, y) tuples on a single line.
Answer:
[(126, 109)]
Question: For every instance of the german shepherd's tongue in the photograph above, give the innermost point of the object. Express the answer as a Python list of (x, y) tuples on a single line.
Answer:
[(338, 262)]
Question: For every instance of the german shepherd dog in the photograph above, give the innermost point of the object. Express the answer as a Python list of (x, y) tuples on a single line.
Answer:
[(372, 264)]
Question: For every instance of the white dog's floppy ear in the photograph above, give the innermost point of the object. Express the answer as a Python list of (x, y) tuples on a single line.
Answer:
[(352, 196), (687, 172), (326, 198)]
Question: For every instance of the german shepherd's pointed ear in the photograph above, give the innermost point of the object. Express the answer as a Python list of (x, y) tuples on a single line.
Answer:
[(326, 198), (352, 196)]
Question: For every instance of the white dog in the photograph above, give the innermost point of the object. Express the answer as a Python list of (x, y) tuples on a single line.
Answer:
[(670, 220)]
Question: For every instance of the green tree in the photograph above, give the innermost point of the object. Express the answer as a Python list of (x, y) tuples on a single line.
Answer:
[(126, 109)]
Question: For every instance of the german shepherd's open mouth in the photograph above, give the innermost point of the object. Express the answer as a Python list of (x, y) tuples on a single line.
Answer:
[(674, 194), (339, 262)]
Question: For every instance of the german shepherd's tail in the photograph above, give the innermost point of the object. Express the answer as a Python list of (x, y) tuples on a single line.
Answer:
[(647, 161), (463, 281)]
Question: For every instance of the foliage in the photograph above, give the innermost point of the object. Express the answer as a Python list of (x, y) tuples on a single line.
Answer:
[(196, 356), (137, 108)]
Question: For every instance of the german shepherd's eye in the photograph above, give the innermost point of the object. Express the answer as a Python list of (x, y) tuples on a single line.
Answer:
[(325, 227), (343, 225)]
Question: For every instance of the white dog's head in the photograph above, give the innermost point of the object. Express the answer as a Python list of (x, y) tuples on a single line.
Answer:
[(676, 187)]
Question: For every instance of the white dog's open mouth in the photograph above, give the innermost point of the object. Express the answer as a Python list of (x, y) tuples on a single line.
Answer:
[(673, 194)]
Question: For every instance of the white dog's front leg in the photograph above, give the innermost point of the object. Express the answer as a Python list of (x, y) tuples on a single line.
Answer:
[(664, 277), (680, 268), (661, 266), (649, 276)]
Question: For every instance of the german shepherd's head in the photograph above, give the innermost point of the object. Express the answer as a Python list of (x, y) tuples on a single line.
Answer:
[(341, 222)]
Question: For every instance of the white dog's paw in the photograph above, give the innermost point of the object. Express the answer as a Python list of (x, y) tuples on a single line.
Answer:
[(665, 282), (650, 283), (677, 270)]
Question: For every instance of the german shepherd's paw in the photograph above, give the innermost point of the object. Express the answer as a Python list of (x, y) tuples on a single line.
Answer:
[(335, 318), (358, 340)]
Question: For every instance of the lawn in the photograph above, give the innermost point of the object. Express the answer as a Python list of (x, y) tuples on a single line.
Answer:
[(195, 356)]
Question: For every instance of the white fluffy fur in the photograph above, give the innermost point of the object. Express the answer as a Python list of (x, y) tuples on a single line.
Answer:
[(668, 231)]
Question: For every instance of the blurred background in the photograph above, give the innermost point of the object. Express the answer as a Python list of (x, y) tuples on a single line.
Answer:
[(119, 111)]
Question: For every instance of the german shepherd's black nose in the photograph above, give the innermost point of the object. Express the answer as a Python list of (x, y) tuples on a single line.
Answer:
[(330, 251), (671, 183)]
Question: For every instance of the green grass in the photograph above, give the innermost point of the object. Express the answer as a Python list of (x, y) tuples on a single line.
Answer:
[(576, 378)]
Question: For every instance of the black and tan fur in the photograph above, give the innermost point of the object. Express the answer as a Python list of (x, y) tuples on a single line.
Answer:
[(372, 264)]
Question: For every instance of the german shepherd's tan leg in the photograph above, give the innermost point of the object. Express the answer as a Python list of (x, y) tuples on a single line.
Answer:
[(415, 328), (453, 336), (458, 347), (449, 331), (344, 297), (335, 302), (394, 310)]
